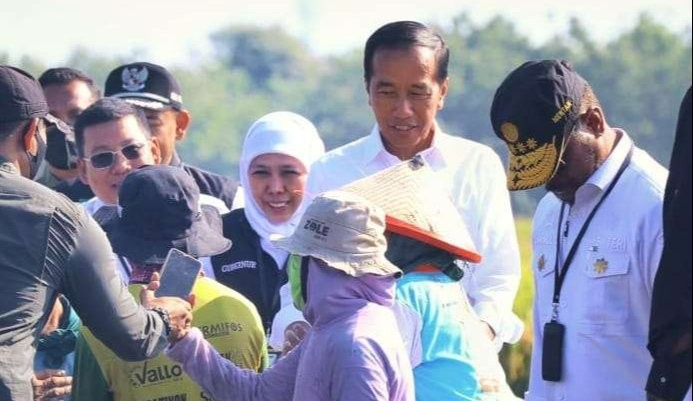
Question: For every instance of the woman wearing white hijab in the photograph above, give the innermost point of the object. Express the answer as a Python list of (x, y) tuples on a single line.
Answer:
[(277, 154)]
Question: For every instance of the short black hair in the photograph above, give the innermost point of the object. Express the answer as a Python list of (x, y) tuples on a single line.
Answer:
[(65, 75), (107, 110), (404, 35)]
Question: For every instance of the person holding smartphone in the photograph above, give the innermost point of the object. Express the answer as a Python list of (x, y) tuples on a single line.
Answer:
[(159, 211)]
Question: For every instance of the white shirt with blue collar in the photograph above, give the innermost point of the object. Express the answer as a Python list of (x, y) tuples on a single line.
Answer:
[(606, 296), (475, 178)]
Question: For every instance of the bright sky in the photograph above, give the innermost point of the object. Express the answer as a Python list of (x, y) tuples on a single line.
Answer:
[(176, 31)]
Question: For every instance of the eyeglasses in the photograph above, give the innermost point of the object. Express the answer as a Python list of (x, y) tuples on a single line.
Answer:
[(106, 159)]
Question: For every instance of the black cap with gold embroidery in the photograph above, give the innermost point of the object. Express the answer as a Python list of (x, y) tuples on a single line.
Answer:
[(533, 110)]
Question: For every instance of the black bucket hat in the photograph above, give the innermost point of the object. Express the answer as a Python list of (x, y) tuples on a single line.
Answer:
[(160, 210), (534, 110)]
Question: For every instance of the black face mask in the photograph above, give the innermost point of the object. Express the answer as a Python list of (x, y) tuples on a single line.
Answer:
[(62, 151), (36, 160)]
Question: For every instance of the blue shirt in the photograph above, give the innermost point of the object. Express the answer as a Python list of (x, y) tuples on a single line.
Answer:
[(445, 370)]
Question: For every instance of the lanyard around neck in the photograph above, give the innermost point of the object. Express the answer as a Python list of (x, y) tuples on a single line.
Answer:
[(559, 277)]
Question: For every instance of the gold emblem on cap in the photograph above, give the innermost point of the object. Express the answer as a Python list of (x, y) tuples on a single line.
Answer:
[(541, 264), (601, 265), (533, 168), (509, 131)]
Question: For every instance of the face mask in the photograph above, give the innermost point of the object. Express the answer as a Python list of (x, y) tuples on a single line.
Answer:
[(62, 151)]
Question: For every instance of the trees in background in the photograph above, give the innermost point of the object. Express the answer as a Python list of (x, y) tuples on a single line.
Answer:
[(639, 77)]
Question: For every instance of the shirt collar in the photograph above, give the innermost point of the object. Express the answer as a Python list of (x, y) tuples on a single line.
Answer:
[(375, 149), (608, 170)]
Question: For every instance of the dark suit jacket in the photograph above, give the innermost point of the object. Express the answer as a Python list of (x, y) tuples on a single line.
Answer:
[(670, 322)]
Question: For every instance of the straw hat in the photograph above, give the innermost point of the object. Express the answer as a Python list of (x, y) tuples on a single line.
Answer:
[(418, 207)]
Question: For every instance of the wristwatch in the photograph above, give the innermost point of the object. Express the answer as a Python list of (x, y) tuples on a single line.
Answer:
[(164, 317)]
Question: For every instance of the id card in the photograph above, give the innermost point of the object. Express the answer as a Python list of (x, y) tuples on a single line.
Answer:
[(552, 352)]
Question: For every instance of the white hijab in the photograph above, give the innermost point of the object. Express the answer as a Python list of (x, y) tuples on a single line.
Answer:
[(285, 133)]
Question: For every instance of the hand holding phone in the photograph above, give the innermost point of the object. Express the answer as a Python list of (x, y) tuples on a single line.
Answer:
[(178, 275)]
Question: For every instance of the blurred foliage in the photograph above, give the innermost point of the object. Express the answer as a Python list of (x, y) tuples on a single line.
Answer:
[(639, 76)]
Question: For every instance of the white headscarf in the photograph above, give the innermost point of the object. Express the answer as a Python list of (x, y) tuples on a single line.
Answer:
[(285, 133)]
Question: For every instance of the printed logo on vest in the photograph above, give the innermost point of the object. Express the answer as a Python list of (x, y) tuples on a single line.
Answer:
[(220, 329), (142, 376), (243, 264)]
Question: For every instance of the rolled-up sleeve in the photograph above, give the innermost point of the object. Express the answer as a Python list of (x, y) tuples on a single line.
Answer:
[(93, 286)]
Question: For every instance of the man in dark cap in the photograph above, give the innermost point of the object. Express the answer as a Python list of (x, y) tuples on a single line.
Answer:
[(670, 321), (597, 234), (50, 246), (160, 210), (155, 90)]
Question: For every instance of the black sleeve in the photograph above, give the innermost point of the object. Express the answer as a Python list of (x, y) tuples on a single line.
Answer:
[(102, 301), (670, 320)]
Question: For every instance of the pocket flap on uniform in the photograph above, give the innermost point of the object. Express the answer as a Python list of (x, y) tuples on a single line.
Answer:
[(607, 265)]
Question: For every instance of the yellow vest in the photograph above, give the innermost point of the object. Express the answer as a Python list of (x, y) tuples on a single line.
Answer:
[(227, 320)]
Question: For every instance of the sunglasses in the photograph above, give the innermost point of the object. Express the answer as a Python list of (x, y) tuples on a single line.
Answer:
[(106, 159)]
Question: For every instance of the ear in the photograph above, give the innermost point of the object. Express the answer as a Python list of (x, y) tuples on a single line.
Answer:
[(593, 119), (183, 119), (156, 150), (443, 93), (29, 137)]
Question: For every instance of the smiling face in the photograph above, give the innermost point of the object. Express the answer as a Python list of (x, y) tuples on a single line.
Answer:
[(113, 136), (405, 95), (277, 183)]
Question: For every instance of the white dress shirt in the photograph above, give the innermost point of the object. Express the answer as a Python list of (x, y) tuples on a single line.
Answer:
[(475, 178), (606, 295)]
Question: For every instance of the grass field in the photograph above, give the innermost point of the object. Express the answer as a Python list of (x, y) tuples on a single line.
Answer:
[(516, 358)]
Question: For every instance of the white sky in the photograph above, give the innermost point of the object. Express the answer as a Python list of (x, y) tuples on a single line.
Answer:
[(174, 32)]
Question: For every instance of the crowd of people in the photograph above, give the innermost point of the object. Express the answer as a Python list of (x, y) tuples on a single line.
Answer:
[(383, 270)]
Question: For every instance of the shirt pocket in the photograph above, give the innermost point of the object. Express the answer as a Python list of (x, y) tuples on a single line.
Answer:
[(606, 303)]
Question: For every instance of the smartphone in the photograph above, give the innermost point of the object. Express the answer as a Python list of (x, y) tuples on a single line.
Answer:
[(178, 274)]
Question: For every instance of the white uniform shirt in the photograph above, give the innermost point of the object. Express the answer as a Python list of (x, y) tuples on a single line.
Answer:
[(606, 295), (475, 178)]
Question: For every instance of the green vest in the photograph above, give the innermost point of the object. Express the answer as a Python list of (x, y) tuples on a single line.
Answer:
[(227, 320)]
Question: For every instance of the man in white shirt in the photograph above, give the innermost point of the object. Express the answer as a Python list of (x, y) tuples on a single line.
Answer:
[(597, 234), (406, 80)]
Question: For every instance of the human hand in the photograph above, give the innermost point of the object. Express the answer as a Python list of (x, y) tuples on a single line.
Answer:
[(51, 385), (179, 311), (293, 334)]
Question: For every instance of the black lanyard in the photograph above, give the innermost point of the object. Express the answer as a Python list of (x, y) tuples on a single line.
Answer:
[(560, 278)]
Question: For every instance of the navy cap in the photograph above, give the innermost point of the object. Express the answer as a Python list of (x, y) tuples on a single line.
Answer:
[(21, 96), (145, 85), (533, 111), (160, 210)]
